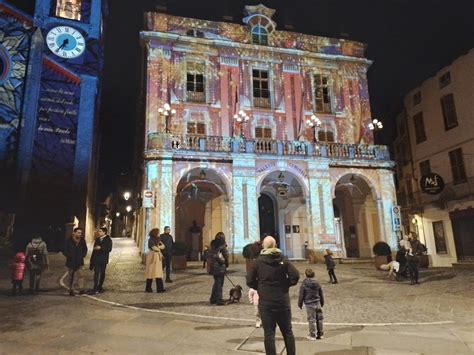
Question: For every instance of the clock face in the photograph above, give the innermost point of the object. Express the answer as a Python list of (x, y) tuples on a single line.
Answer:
[(66, 42)]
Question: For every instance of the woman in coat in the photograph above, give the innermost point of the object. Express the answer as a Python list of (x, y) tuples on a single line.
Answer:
[(154, 266)]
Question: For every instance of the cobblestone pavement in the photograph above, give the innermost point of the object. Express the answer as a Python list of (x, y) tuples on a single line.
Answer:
[(363, 294)]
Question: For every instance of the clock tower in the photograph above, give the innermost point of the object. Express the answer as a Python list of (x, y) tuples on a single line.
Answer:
[(55, 146)]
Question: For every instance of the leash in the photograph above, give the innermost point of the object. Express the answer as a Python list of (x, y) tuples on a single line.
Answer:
[(228, 278)]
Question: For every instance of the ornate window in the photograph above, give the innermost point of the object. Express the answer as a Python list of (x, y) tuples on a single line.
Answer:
[(195, 85), (259, 35), (196, 128), (261, 92), (325, 136), (70, 9), (263, 132), (322, 95)]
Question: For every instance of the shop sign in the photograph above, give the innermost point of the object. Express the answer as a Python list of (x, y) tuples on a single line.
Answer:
[(431, 184), (148, 199)]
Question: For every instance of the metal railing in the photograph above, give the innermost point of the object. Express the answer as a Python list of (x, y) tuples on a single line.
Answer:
[(219, 144), (195, 96)]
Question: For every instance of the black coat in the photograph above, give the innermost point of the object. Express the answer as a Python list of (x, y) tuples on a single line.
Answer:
[(330, 264), (310, 292), (101, 256), (272, 275), (75, 254), (218, 266), (167, 240)]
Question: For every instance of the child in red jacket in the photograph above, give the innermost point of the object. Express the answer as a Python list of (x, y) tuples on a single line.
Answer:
[(18, 272)]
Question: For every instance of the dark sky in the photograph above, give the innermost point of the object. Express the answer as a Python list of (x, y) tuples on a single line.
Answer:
[(408, 40)]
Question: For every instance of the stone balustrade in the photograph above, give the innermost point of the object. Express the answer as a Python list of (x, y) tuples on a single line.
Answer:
[(218, 144)]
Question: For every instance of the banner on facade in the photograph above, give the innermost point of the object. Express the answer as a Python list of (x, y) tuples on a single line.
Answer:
[(148, 199)]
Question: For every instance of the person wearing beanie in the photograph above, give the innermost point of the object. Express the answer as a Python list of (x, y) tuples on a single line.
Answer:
[(272, 275)]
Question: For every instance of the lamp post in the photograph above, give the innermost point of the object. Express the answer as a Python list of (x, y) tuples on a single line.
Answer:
[(375, 126), (167, 112), (241, 117), (313, 122), (126, 195)]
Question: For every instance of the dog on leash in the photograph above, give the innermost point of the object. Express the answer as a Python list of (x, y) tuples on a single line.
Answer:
[(235, 294)]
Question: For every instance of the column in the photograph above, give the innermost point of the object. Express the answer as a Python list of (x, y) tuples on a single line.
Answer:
[(165, 183), (385, 205)]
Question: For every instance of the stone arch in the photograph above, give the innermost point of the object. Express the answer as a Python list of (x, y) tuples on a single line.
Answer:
[(223, 175), (367, 179), (283, 166)]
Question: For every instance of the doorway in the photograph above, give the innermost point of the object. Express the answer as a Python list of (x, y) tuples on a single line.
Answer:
[(267, 218)]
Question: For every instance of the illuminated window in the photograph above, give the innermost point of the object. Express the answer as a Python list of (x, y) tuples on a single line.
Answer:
[(197, 128), (420, 135), (444, 80), (325, 136), (449, 112), (425, 167), (417, 98), (263, 132), (322, 94), (70, 9), (195, 82), (259, 35), (457, 166), (261, 93)]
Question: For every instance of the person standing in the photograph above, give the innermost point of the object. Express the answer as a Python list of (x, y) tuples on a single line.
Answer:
[(413, 258), (100, 258), (75, 251), (17, 268), (37, 261), (272, 275), (154, 263), (330, 266), (218, 262), (167, 239), (311, 294)]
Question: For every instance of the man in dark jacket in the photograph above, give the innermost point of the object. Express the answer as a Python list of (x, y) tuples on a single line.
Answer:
[(100, 258), (167, 239), (218, 259), (311, 294), (272, 275), (75, 251), (413, 258)]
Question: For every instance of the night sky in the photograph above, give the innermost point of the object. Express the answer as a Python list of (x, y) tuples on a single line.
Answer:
[(408, 40)]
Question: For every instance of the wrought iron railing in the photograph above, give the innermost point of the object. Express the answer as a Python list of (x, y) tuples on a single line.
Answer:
[(196, 96), (218, 144)]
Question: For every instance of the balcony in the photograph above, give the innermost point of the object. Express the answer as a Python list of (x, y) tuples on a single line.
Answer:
[(195, 96), (262, 102), (217, 144)]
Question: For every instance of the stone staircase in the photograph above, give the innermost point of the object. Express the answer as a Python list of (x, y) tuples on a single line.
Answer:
[(356, 260), (466, 263)]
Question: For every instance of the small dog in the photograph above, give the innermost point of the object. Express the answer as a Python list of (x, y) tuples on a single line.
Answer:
[(235, 294)]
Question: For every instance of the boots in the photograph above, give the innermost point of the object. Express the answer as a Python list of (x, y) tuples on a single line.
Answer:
[(159, 286), (148, 285)]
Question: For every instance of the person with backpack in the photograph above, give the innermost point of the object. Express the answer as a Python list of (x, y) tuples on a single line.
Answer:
[(272, 275), (37, 261), (75, 251), (100, 258), (217, 264)]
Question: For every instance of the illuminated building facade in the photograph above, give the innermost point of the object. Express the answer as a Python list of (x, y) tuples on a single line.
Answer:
[(251, 131)]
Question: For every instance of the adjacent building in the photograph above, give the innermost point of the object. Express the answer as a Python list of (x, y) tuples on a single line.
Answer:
[(49, 96), (251, 130), (434, 150)]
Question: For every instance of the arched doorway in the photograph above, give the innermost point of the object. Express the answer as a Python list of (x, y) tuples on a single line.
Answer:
[(201, 209), (282, 191), (357, 214)]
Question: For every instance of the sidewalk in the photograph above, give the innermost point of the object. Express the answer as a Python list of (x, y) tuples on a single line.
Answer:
[(181, 321)]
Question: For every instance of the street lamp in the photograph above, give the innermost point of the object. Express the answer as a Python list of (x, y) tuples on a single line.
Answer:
[(167, 112), (313, 122), (241, 117), (128, 208), (126, 195), (375, 126)]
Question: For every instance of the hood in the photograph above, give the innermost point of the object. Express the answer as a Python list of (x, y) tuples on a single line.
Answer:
[(36, 241), (19, 257), (310, 283), (271, 255)]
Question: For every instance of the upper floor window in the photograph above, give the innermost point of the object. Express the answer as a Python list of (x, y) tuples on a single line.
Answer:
[(259, 35), (457, 166), (261, 92), (425, 167), (325, 136), (420, 135), (444, 80), (449, 111), (197, 128), (263, 132), (322, 95), (417, 98), (195, 82), (70, 9)]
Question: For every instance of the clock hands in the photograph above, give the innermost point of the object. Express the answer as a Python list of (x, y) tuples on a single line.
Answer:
[(65, 43)]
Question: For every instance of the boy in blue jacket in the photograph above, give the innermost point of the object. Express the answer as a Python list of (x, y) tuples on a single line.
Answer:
[(311, 294)]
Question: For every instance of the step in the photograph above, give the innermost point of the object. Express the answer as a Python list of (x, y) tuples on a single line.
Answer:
[(465, 265), (356, 261)]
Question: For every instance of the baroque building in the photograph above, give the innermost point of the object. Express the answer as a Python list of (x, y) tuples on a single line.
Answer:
[(50, 64), (434, 150), (250, 130)]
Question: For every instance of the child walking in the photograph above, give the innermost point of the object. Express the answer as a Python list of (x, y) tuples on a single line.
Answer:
[(18, 273), (253, 298), (205, 254), (311, 294), (330, 265)]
